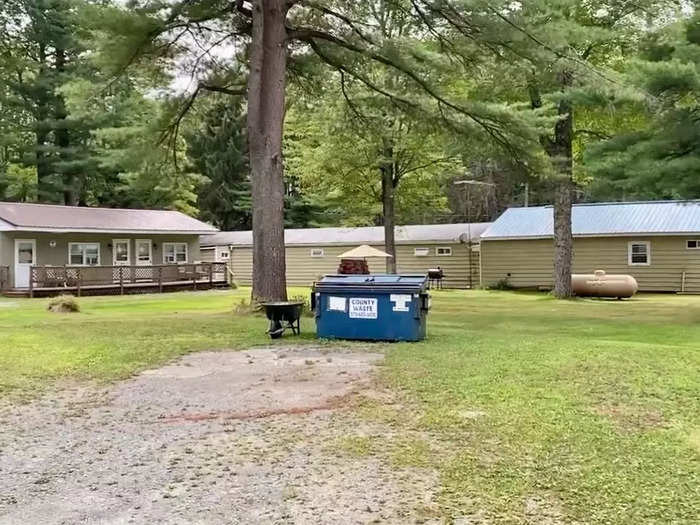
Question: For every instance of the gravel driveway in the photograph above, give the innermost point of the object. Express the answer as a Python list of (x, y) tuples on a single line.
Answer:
[(217, 437)]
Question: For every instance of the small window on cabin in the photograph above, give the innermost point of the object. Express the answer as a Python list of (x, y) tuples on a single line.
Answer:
[(443, 251), (84, 253), (421, 252), (639, 253), (174, 252), (693, 245), (224, 255), (317, 252)]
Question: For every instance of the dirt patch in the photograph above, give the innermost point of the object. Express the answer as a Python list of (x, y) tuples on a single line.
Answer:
[(632, 418), (217, 437)]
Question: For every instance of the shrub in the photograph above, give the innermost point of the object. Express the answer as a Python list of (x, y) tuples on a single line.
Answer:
[(64, 304), (502, 284)]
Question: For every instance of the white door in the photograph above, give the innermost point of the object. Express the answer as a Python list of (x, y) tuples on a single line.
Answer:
[(121, 256), (144, 252), (25, 258), (144, 257)]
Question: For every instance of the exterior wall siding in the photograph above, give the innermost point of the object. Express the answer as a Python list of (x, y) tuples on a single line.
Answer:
[(58, 255), (529, 263), (303, 269)]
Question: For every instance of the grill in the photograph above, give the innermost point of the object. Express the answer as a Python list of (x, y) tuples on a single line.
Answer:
[(435, 277)]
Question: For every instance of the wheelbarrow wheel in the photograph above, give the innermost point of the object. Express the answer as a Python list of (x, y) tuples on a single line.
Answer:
[(276, 329)]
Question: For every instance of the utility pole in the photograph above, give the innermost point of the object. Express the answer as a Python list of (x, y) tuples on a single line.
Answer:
[(467, 184), (527, 194)]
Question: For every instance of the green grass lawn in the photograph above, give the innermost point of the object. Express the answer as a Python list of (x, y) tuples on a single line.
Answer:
[(586, 410), (532, 409), (113, 337)]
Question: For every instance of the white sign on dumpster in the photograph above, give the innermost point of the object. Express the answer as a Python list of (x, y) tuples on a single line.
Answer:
[(363, 308), (401, 302), (336, 303)]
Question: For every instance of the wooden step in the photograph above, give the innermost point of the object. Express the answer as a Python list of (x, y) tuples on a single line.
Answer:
[(15, 293)]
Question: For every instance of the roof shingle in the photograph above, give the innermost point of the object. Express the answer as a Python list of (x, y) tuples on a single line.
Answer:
[(26, 216), (356, 236)]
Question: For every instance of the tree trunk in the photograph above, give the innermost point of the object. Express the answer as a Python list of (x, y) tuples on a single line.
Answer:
[(388, 207), (62, 139), (389, 219), (43, 167), (266, 90), (561, 152)]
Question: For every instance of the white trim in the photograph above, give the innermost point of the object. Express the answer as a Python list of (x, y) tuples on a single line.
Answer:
[(320, 252), (448, 253), (629, 253), (421, 251), (128, 252), (164, 244), (136, 252), (697, 244), (47, 229), (99, 253)]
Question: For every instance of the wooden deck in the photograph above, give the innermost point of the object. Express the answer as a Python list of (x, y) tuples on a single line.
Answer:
[(116, 289), (49, 281)]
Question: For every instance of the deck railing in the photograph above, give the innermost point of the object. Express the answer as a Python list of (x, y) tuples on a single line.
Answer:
[(125, 277), (4, 277)]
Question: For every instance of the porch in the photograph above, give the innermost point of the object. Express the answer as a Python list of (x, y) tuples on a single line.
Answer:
[(119, 280)]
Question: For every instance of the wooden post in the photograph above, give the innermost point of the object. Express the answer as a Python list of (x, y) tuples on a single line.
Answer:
[(160, 279), (194, 276), (31, 281), (121, 280), (211, 275), (77, 279)]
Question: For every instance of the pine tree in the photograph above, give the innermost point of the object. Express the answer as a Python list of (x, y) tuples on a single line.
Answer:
[(660, 157)]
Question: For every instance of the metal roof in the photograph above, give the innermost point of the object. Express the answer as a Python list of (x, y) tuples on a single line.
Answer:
[(601, 219), (440, 233), (55, 218)]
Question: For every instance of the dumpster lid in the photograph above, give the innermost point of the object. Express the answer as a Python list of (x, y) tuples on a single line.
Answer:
[(374, 281)]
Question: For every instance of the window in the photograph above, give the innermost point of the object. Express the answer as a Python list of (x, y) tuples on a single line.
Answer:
[(224, 255), (317, 252), (174, 252), (639, 253), (143, 251), (693, 245), (84, 253), (443, 251), (421, 252)]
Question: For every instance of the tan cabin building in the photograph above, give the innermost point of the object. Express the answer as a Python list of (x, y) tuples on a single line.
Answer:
[(658, 243), (313, 252), (50, 249)]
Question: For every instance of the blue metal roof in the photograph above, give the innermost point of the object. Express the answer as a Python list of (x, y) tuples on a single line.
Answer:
[(601, 219)]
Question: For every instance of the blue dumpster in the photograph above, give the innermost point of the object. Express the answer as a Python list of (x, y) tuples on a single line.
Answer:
[(372, 307)]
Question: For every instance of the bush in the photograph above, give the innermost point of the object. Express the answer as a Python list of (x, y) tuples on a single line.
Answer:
[(64, 304), (502, 284)]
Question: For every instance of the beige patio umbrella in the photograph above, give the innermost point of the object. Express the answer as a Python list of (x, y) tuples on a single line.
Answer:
[(362, 252)]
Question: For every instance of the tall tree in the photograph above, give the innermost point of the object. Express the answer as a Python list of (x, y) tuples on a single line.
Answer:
[(265, 31), (566, 54), (656, 155), (41, 50), (217, 149)]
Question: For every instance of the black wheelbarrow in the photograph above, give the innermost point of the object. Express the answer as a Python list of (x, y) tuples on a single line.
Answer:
[(283, 315)]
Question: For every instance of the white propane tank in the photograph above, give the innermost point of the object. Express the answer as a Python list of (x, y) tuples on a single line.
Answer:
[(600, 284)]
